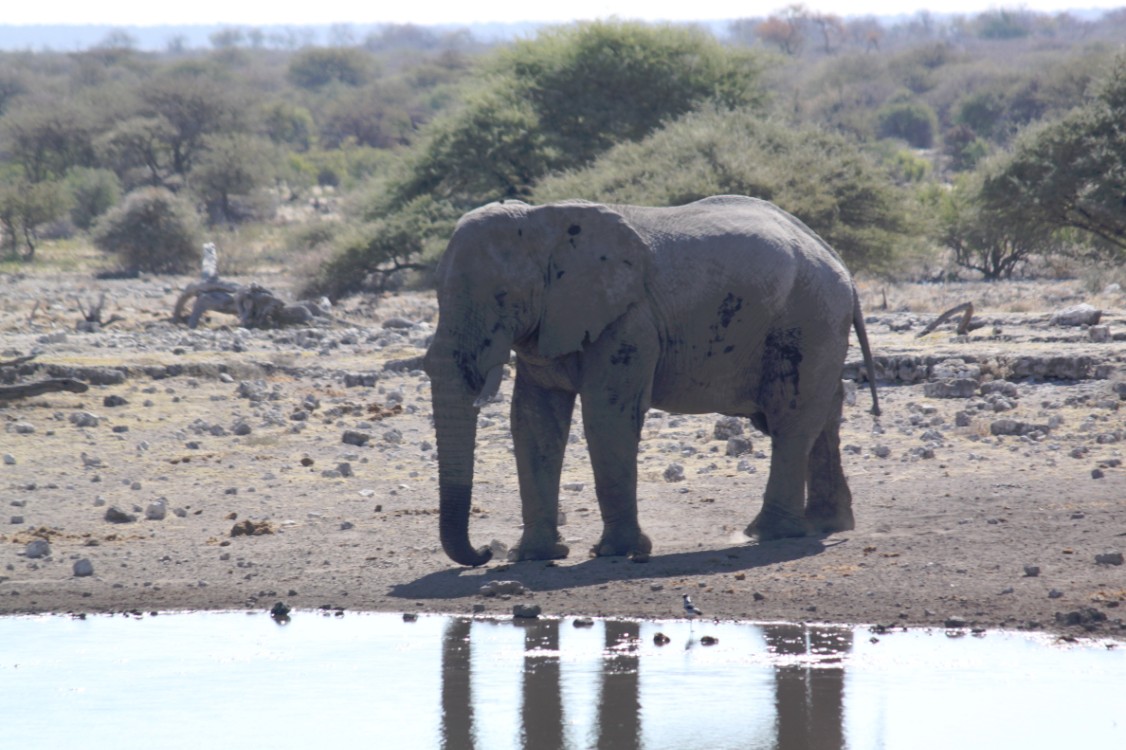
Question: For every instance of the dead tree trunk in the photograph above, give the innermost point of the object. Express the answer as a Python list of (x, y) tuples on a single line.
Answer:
[(965, 325)]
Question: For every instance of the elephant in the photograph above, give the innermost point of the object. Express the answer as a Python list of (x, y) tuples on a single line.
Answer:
[(727, 305)]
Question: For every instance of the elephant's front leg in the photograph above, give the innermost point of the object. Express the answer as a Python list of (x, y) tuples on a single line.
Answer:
[(541, 421), (613, 428)]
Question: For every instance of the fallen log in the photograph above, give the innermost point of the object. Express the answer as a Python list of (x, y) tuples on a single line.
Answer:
[(965, 325), (27, 390)]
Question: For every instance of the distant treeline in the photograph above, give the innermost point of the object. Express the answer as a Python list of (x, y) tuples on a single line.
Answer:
[(937, 145)]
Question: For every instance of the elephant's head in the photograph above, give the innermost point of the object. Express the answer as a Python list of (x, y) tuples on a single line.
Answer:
[(546, 280)]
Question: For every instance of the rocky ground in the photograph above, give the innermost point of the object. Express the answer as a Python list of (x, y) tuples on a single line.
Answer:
[(223, 468)]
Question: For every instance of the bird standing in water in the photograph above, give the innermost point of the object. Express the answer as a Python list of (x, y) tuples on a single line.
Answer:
[(690, 609)]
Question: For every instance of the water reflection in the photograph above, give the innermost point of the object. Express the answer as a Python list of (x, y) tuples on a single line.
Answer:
[(228, 680), (806, 663)]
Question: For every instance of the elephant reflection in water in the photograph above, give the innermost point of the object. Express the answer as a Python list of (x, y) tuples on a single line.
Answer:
[(809, 700)]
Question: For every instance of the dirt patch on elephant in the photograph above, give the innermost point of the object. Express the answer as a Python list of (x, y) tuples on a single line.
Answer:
[(990, 492)]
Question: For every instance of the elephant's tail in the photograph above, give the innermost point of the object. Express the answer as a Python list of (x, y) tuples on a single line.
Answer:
[(865, 349)]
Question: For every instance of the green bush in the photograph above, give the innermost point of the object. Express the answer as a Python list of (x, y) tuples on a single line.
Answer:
[(153, 231), (93, 192), (375, 254), (820, 177), (909, 120)]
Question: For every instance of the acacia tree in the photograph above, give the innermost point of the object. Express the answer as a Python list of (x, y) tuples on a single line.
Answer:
[(980, 236), (48, 137), (189, 105), (24, 206), (1070, 174)]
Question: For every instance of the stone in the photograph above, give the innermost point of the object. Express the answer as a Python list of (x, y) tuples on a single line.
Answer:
[(9, 459), (953, 388), (881, 451), (526, 611), (1076, 315), (1084, 616), (84, 419), (37, 549), (83, 568), (156, 510), (727, 427), (1109, 558), (1031, 571), (117, 515), (738, 446), (114, 400), (1099, 334), (502, 588), (352, 437), (674, 473), (1015, 427)]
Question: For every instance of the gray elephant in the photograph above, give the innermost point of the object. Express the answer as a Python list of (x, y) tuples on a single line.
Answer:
[(726, 305)]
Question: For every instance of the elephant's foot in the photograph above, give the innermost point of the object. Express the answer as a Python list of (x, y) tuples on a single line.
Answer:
[(825, 519), (539, 546), (556, 551), (772, 524), (619, 542)]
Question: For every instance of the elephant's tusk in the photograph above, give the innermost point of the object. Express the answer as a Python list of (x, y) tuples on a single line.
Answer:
[(492, 385)]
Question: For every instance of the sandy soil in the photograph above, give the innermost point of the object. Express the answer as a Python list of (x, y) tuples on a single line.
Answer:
[(223, 431)]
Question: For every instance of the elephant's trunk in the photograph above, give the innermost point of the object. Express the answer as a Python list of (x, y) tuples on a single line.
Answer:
[(455, 424)]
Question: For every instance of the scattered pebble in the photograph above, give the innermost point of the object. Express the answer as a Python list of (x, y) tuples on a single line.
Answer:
[(83, 568)]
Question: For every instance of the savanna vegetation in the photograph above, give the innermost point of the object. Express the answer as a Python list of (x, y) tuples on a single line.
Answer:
[(983, 146)]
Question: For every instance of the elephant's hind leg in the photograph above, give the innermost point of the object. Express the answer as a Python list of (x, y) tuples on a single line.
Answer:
[(784, 500), (829, 507)]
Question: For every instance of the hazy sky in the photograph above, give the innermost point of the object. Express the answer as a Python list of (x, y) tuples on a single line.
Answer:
[(289, 12)]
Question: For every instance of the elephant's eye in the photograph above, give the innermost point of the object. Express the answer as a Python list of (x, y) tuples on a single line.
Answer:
[(500, 298)]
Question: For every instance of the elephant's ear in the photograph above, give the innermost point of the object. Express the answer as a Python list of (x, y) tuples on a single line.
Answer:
[(597, 266)]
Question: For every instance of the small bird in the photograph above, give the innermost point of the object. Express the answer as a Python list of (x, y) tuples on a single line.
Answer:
[(690, 609)]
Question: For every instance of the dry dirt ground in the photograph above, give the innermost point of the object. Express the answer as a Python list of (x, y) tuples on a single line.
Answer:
[(212, 469)]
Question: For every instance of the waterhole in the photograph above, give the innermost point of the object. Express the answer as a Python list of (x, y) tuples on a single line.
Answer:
[(225, 680)]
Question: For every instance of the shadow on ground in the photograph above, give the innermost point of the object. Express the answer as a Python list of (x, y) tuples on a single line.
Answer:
[(541, 576)]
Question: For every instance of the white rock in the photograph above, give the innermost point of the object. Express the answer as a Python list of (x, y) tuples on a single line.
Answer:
[(1076, 315)]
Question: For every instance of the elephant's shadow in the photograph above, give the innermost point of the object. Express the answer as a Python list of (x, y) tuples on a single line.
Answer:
[(461, 582)]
